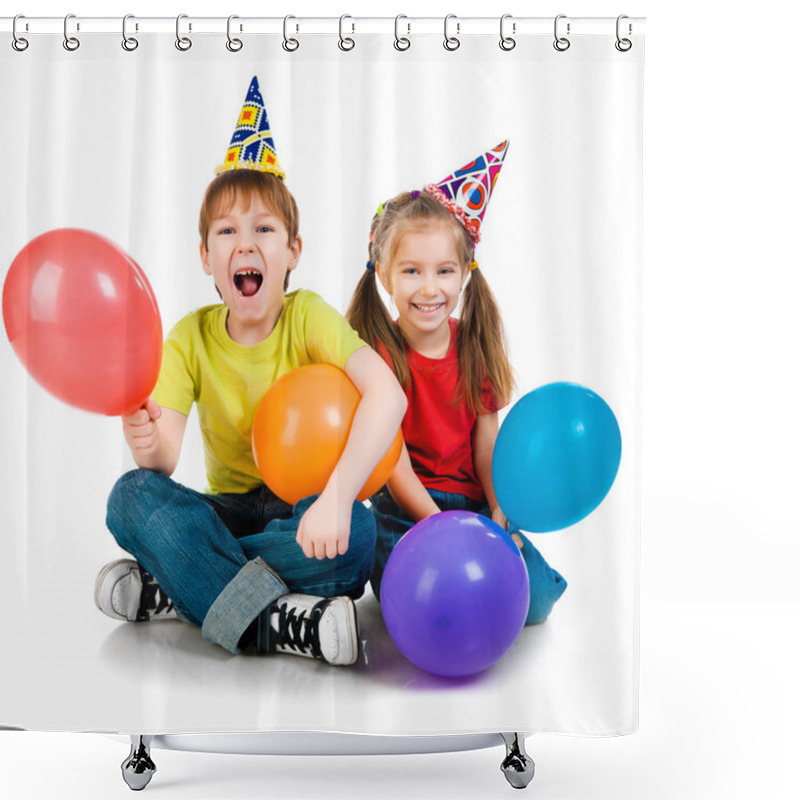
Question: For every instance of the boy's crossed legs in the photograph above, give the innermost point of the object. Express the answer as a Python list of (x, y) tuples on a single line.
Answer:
[(231, 566)]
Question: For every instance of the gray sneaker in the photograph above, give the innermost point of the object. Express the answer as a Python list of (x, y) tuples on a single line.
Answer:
[(127, 592), (324, 628)]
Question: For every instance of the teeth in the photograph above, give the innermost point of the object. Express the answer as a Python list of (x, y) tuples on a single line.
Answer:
[(248, 272)]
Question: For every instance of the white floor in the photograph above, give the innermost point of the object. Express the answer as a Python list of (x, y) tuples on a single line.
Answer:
[(719, 705)]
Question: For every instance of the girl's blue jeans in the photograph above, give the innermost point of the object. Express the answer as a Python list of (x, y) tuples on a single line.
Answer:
[(545, 583), (222, 559)]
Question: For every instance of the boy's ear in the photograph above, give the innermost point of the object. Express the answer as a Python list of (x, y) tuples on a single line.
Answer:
[(204, 259), (295, 249)]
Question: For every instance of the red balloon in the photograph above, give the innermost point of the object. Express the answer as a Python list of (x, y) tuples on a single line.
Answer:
[(83, 319)]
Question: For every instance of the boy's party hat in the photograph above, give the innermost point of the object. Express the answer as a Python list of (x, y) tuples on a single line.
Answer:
[(251, 146), (467, 191)]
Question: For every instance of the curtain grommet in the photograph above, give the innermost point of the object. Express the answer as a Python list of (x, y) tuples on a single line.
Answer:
[(19, 43), (451, 43), (623, 44), (289, 44), (183, 43), (561, 43), (401, 43), (346, 43), (507, 43), (129, 43), (71, 43), (233, 44)]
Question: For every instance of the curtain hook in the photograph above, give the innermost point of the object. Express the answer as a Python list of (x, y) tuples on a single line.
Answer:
[(182, 42), (70, 42), (19, 43), (623, 45), (451, 42), (289, 45), (561, 43), (234, 45), (345, 42), (129, 43), (507, 42), (401, 42)]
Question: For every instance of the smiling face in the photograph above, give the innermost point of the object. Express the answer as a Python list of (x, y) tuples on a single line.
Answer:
[(425, 278), (248, 253)]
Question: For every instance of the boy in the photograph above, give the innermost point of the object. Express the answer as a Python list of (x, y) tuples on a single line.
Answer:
[(248, 569)]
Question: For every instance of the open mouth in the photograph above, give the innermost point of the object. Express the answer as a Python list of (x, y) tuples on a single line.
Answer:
[(248, 282)]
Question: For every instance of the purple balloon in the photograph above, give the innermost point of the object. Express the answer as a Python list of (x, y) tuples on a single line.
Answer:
[(455, 593)]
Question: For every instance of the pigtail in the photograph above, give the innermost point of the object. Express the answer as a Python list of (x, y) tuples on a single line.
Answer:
[(369, 317), (482, 348)]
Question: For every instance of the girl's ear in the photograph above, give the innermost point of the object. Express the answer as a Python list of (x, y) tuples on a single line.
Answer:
[(383, 277)]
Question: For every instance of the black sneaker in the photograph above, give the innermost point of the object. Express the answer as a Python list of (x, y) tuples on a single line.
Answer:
[(324, 628), (125, 591)]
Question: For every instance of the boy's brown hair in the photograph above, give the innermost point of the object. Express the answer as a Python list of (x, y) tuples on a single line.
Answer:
[(229, 187)]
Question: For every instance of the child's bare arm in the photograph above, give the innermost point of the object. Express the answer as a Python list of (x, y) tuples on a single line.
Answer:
[(483, 439), (154, 436), (408, 491), (325, 528)]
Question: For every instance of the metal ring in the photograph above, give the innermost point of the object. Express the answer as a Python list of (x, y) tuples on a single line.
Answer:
[(345, 42), (129, 43), (19, 43), (183, 43), (506, 42), (289, 45), (233, 45), (70, 42), (561, 43), (401, 43), (623, 45), (451, 42)]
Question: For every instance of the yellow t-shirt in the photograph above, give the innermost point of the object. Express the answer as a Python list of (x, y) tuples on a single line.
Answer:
[(202, 364)]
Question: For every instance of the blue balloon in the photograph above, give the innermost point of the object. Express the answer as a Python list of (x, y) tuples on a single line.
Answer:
[(455, 593), (556, 457)]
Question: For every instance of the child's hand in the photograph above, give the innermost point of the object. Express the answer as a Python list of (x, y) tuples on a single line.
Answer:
[(141, 430), (324, 530), (500, 518)]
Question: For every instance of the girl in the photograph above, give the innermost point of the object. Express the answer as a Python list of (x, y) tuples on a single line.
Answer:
[(455, 372)]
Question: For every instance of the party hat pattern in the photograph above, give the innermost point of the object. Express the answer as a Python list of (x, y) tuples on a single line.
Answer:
[(252, 146), (468, 190)]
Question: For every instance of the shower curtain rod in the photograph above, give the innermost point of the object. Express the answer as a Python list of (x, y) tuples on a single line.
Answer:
[(346, 24)]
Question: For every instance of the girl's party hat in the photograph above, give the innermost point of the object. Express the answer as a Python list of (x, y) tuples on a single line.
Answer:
[(251, 146), (467, 191)]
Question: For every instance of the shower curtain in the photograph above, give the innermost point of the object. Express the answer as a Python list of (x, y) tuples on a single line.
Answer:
[(122, 141)]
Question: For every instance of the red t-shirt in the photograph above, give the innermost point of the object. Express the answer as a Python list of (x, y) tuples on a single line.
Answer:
[(437, 428)]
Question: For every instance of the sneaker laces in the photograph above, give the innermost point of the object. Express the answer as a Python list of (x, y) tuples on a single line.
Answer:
[(299, 631), (154, 602)]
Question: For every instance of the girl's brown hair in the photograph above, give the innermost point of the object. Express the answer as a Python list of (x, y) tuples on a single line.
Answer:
[(481, 341)]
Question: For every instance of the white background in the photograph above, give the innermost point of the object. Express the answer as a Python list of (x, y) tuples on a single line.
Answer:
[(719, 696)]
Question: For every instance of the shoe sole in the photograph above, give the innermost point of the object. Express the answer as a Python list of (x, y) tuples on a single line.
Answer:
[(112, 565), (352, 620)]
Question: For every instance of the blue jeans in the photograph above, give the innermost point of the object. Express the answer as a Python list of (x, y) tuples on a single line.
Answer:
[(223, 559), (545, 583)]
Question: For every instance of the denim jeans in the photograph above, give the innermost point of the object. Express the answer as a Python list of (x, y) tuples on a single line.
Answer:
[(222, 559), (546, 584)]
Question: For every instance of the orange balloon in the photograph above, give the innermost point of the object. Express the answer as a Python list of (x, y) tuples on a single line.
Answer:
[(300, 430)]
